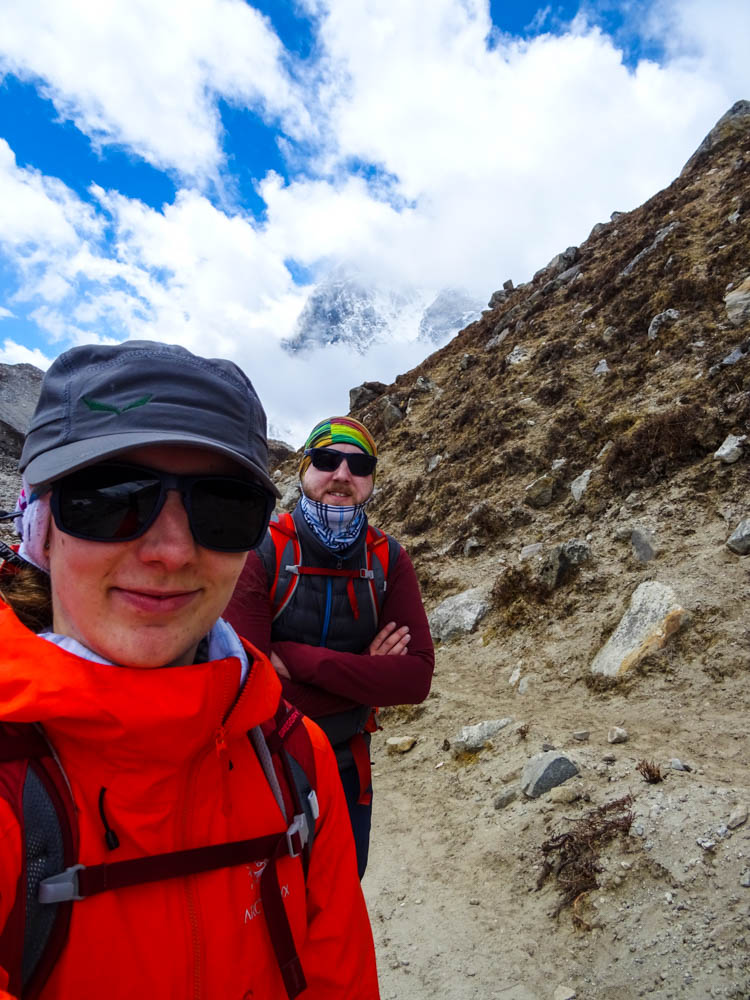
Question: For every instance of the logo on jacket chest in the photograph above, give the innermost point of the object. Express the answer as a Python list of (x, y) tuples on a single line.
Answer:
[(254, 906)]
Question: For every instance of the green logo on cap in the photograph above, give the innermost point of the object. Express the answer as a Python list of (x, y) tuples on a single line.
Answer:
[(93, 404)]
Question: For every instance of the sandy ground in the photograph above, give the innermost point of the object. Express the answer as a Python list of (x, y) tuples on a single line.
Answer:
[(451, 885)]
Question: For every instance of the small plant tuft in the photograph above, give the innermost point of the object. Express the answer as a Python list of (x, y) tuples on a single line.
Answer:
[(651, 772)]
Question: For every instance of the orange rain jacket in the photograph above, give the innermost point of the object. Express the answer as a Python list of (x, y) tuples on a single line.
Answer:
[(152, 739)]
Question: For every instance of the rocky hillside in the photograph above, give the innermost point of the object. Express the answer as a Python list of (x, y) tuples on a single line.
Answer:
[(579, 446)]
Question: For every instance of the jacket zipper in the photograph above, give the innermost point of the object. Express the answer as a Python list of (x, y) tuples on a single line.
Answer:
[(191, 895)]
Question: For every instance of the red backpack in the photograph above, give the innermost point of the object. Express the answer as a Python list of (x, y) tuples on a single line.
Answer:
[(51, 880), (284, 534)]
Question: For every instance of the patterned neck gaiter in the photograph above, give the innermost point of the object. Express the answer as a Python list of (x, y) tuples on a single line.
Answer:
[(336, 527)]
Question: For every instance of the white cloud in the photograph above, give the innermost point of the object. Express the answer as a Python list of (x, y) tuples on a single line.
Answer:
[(5, 313), (493, 156), (12, 353), (146, 73)]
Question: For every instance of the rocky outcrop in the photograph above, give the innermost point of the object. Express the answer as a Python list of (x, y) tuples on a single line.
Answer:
[(19, 391)]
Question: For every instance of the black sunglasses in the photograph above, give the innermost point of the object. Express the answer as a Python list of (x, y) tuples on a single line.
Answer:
[(117, 503), (328, 460)]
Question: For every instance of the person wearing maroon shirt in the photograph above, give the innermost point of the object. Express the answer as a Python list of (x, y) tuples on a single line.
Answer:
[(341, 643)]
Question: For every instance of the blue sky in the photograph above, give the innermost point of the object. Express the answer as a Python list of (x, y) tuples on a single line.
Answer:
[(189, 172)]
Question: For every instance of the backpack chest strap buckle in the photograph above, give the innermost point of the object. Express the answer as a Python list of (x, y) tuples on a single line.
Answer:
[(61, 888)]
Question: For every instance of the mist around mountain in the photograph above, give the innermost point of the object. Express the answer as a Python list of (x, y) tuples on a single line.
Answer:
[(344, 311)]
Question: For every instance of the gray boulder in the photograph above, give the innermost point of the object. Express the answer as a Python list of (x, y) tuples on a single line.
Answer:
[(363, 395), (738, 303), (390, 414), (653, 616), (19, 391), (739, 541), (580, 484), (473, 738), (560, 561), (459, 614), (660, 320), (546, 771), (730, 450)]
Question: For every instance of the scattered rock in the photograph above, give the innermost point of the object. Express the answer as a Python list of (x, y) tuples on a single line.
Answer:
[(579, 485), (609, 334), (471, 546), (434, 462), (290, 494), (564, 795), (560, 561), (739, 541), (363, 395), (602, 368), (458, 614), (706, 844), (400, 744), (660, 320), (390, 414), (545, 771), (424, 384), (738, 354), (515, 677), (278, 452), (467, 361), (643, 544), (653, 616), (737, 303), (745, 879), (659, 238), (20, 386), (617, 735), (497, 339), (504, 798), (581, 735), (730, 450), (508, 285), (518, 355), (529, 551), (540, 493), (609, 758), (497, 298), (677, 765), (738, 817), (564, 993), (473, 738)]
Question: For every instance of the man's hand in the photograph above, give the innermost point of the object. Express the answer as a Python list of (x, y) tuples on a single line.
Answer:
[(278, 665), (390, 641)]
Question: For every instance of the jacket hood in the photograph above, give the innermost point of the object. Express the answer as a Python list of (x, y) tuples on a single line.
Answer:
[(133, 710)]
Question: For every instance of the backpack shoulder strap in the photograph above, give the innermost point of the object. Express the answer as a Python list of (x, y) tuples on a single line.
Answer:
[(379, 558), (35, 787), (286, 547), (293, 771)]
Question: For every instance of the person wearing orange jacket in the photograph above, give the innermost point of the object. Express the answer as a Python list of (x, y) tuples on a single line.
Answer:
[(145, 485)]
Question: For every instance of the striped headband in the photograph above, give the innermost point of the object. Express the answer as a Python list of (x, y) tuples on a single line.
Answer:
[(338, 430)]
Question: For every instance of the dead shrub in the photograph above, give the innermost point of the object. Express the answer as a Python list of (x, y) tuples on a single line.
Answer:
[(650, 772), (573, 857), (654, 446)]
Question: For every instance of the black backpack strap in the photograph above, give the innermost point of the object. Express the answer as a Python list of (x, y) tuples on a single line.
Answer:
[(34, 934)]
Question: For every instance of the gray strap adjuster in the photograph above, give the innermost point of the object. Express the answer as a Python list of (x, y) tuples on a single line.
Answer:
[(61, 888)]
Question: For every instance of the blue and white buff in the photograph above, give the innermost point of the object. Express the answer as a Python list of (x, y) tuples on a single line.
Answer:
[(223, 642), (336, 527)]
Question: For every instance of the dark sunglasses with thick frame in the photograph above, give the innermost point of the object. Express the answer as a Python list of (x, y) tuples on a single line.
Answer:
[(328, 460), (112, 502)]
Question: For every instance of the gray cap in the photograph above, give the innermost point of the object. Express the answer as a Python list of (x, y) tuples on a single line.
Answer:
[(98, 401)]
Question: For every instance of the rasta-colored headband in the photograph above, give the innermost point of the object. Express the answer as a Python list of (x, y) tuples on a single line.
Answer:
[(338, 430)]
